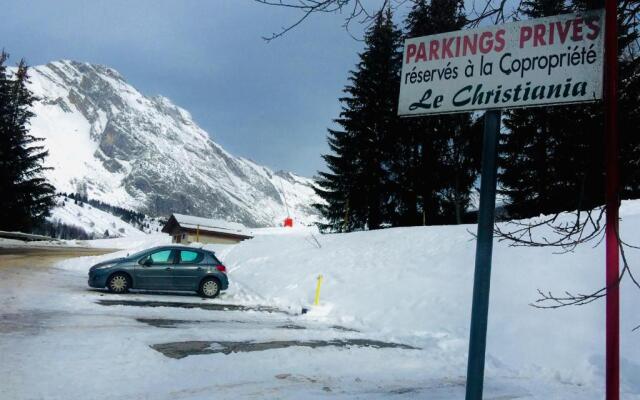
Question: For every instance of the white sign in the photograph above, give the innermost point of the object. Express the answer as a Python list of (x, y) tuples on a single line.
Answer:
[(554, 60)]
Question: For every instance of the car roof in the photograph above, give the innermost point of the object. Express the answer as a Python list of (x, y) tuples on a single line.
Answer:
[(179, 247)]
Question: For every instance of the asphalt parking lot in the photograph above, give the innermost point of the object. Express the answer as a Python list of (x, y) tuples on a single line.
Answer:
[(62, 339)]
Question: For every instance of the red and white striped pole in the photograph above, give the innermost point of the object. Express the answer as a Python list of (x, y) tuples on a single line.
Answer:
[(612, 204)]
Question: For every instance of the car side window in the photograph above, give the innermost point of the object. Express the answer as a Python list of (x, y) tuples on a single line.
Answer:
[(190, 257), (161, 257)]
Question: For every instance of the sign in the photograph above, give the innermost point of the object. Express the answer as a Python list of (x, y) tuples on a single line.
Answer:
[(554, 60)]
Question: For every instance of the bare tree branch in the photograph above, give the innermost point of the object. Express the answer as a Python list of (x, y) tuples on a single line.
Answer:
[(493, 11), (354, 10), (478, 11), (585, 226), (565, 234)]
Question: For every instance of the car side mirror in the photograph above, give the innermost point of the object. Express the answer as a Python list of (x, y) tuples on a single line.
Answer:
[(147, 262)]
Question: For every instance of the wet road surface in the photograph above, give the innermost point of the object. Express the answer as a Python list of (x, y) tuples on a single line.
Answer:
[(196, 347), (61, 339)]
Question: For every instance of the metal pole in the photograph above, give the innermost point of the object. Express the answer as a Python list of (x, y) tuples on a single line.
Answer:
[(612, 204), (484, 247)]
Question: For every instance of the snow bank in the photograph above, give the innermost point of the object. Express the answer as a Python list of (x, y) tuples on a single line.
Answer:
[(14, 243), (129, 243), (127, 246), (415, 285), (297, 229)]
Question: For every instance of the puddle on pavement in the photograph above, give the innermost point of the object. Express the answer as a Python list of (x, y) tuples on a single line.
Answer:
[(28, 321), (203, 306), (291, 326), (180, 350), (343, 328), (165, 323), (175, 323)]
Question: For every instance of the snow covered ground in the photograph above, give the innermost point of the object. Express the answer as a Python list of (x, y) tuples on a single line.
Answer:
[(414, 285), (408, 286)]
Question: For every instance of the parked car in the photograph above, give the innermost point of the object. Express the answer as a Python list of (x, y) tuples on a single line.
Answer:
[(163, 268)]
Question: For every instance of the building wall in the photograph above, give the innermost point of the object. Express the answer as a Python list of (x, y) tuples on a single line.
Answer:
[(204, 238), (209, 238), (179, 236)]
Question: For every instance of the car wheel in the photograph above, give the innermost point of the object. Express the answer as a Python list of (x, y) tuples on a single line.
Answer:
[(118, 283), (209, 288)]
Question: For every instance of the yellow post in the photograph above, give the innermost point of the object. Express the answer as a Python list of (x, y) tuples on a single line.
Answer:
[(198, 233), (317, 300)]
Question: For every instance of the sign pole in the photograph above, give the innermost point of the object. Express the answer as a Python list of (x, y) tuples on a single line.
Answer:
[(484, 247), (612, 204), (520, 64)]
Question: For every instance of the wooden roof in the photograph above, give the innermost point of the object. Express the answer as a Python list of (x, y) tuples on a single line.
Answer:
[(191, 223)]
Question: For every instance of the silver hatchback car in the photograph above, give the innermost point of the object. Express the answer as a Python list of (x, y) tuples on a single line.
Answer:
[(163, 268)]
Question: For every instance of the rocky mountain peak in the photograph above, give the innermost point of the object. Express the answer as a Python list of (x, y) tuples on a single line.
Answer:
[(146, 153)]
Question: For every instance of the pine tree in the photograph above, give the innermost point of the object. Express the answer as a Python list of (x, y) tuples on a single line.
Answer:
[(26, 195), (337, 187), (540, 155), (628, 92), (357, 188), (552, 158), (629, 122), (441, 152)]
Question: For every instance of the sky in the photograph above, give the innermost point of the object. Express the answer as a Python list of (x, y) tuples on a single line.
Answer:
[(269, 102)]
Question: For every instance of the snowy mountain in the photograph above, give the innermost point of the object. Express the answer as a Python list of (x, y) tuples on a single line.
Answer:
[(108, 140)]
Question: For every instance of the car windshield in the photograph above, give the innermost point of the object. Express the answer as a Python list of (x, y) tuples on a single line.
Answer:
[(141, 253)]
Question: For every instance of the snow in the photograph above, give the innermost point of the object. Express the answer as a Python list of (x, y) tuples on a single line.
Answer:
[(401, 285), (192, 222), (68, 133), (415, 284), (64, 158), (129, 244), (296, 229), (136, 243), (92, 220), (14, 243)]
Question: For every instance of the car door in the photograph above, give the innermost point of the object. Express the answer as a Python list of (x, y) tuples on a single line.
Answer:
[(189, 269), (155, 270)]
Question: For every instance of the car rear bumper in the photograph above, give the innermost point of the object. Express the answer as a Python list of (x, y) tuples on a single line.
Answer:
[(224, 282)]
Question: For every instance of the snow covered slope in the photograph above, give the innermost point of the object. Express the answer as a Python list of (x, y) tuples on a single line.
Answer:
[(414, 285), (92, 220), (121, 147)]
